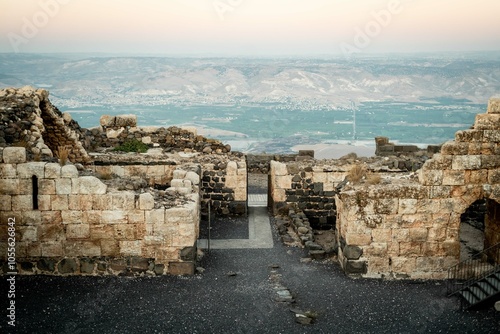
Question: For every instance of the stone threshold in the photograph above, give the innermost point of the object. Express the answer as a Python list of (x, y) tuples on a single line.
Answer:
[(259, 233)]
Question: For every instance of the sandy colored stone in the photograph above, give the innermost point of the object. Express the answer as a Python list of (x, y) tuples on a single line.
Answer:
[(91, 185), (22, 202), (78, 231), (82, 248), (52, 249), (69, 171), (453, 177), (130, 248), (59, 202), (63, 186), (14, 155), (146, 201), (29, 169), (52, 171)]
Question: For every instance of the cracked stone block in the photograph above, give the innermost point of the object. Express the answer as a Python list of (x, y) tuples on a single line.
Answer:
[(352, 252)]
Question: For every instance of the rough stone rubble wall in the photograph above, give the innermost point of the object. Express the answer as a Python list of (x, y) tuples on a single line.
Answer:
[(81, 227), (411, 229), (29, 119), (309, 186)]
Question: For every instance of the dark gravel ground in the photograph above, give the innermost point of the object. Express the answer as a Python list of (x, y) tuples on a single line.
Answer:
[(214, 302), (225, 228)]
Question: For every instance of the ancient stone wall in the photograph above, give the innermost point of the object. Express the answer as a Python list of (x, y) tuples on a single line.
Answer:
[(410, 227), (116, 130), (28, 119), (310, 186), (68, 223)]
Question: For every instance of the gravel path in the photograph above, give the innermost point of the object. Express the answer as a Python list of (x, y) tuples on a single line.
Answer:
[(215, 302)]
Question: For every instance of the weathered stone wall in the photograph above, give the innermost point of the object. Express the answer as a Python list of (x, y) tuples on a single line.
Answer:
[(67, 223), (28, 119), (224, 186), (116, 130), (311, 187), (410, 227)]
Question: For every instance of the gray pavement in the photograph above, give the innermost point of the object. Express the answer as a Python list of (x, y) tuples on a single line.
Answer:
[(242, 302)]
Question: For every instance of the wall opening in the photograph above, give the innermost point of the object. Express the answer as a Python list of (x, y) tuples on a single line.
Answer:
[(34, 183), (492, 229), (472, 237)]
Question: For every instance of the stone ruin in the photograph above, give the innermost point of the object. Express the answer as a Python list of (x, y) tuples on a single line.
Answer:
[(393, 223), (111, 213)]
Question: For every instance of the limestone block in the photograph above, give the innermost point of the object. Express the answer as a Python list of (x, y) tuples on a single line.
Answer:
[(91, 185), (491, 136), (386, 206), (22, 203), (155, 216), (278, 169), (69, 171), (440, 192), (102, 202), (494, 105), (63, 186), (481, 148), (78, 231), (136, 216), (51, 232), (28, 233), (469, 136), (46, 187), (14, 155), (27, 170), (449, 205), (80, 202), (493, 177), (455, 148), (418, 234), (358, 239), (490, 161), (118, 170), (146, 201), (59, 202), (480, 176), (403, 264), (6, 201), (126, 120), (82, 248), (9, 187), (8, 171), (130, 248), (177, 183), (52, 171), (101, 231), (487, 122), (430, 177), (466, 162), (407, 206), (453, 177), (451, 248), (146, 140), (25, 187), (52, 249), (279, 195), (107, 120), (51, 217), (283, 182), (72, 217), (92, 217), (193, 177), (438, 162), (436, 234), (382, 235), (430, 263), (378, 265), (320, 177), (113, 217), (376, 249), (179, 174), (123, 200), (113, 134), (124, 232), (410, 248), (240, 194)]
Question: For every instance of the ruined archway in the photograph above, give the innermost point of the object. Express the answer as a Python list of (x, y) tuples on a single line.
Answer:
[(472, 237)]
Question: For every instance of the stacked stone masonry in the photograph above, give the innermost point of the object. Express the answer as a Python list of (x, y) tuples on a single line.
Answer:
[(28, 119), (79, 226)]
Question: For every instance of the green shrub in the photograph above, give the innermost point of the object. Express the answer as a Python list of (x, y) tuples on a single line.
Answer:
[(133, 145)]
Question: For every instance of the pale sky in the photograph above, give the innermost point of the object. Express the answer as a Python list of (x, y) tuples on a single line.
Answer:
[(248, 27)]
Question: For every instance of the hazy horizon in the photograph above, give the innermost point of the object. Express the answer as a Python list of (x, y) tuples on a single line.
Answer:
[(249, 28)]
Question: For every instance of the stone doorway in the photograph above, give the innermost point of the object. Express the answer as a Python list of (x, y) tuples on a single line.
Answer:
[(472, 229)]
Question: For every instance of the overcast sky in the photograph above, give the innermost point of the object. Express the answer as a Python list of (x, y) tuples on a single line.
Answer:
[(248, 27)]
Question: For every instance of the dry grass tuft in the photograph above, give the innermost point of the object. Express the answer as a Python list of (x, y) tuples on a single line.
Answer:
[(105, 175), (62, 153), (373, 178), (356, 173), (22, 143)]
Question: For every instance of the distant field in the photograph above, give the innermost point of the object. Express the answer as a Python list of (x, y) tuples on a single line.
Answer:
[(268, 128)]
